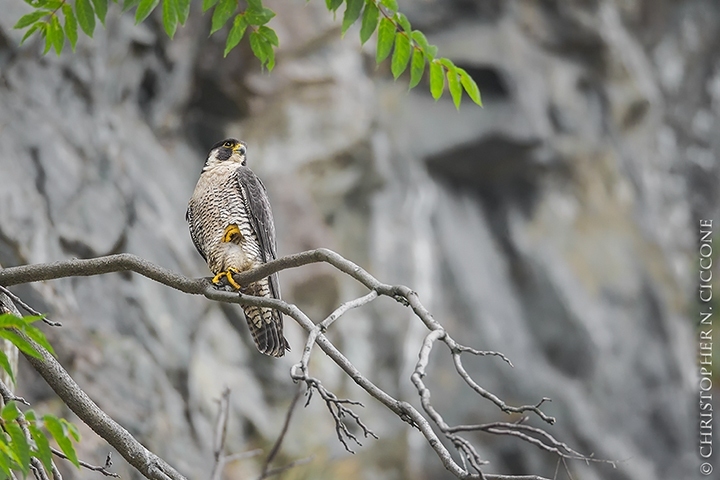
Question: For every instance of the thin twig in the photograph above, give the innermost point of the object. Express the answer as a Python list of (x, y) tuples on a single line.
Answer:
[(38, 470), (279, 470), (338, 409), (493, 398), (299, 370), (220, 434), (28, 308), (286, 424), (234, 457), (221, 460), (95, 468)]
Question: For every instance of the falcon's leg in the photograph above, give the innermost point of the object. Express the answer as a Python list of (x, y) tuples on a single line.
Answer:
[(228, 274), (232, 234)]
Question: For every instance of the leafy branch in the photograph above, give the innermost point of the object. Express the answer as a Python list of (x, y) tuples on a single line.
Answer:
[(23, 443), (394, 33)]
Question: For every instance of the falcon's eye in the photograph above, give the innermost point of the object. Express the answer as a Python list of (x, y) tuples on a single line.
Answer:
[(227, 144)]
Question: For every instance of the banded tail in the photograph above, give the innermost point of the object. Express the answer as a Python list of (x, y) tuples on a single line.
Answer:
[(266, 324)]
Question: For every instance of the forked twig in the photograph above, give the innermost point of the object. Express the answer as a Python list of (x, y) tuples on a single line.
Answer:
[(339, 410)]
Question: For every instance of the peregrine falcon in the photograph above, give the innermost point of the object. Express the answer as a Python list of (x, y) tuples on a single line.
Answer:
[(232, 227)]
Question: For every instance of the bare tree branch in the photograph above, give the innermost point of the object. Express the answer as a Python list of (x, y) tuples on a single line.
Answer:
[(220, 434), (338, 409), (96, 468), (316, 335), (299, 370), (38, 471), (286, 424)]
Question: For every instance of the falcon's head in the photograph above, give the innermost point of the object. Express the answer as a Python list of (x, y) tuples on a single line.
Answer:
[(229, 150)]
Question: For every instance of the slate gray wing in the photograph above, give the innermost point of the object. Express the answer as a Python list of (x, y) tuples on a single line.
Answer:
[(259, 212), (193, 233)]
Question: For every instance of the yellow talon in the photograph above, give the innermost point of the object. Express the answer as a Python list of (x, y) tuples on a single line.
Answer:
[(230, 232), (229, 276)]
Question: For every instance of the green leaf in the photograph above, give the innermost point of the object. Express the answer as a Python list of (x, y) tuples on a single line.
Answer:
[(208, 4), (256, 42), (391, 4), (419, 38), (222, 13), (454, 86), (269, 35), (4, 463), (101, 7), (71, 429), (8, 320), (404, 22), (236, 33), (10, 412), (28, 319), (259, 17), (31, 30), (144, 9), (401, 55), (470, 86), (436, 79), (369, 21), (26, 347), (417, 67), (55, 34), (39, 337), (446, 62), (31, 18), (85, 16), (48, 4), (59, 433), (429, 50), (254, 4), (263, 50), (5, 364), (42, 446), (128, 4), (71, 26), (352, 13), (386, 38), (333, 5), (48, 39), (20, 445), (10, 452), (183, 10), (170, 17)]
